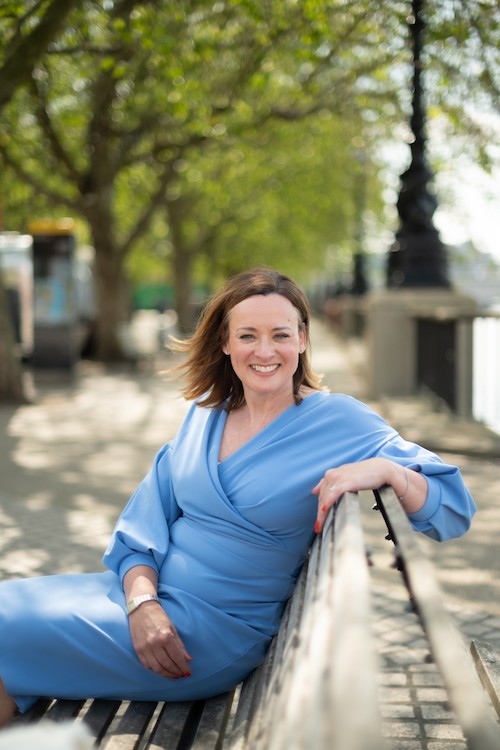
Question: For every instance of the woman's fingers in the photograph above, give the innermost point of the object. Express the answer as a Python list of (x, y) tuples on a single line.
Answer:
[(328, 495), (157, 643)]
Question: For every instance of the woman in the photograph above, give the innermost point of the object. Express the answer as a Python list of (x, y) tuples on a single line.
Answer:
[(206, 553)]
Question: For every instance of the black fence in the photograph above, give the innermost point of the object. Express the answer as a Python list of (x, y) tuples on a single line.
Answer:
[(437, 358)]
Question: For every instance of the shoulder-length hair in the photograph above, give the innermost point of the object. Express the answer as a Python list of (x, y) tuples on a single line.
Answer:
[(208, 372)]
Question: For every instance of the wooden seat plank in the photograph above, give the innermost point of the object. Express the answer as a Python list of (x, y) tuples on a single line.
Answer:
[(98, 717), (129, 725), (351, 680), (64, 710), (170, 726), (487, 663), (213, 722)]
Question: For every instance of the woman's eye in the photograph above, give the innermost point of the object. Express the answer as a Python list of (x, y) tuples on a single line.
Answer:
[(282, 336)]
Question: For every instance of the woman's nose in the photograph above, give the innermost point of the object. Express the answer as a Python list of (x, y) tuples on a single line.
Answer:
[(264, 347)]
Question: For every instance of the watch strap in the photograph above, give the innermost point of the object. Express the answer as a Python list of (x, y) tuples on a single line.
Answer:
[(136, 601)]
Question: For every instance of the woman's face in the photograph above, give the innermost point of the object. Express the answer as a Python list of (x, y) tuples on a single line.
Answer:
[(264, 344)]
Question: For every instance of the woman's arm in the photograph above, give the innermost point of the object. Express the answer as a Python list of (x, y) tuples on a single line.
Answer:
[(141, 536), (369, 454)]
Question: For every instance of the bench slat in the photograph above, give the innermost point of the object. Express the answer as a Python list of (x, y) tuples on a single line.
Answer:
[(129, 725), (352, 679), (274, 678), (487, 664), (213, 722), (64, 710), (447, 647), (170, 726), (98, 717)]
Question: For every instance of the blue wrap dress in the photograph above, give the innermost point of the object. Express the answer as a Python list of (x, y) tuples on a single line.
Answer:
[(227, 540)]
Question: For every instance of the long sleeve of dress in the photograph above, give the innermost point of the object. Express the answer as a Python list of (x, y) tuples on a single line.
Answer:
[(141, 535), (449, 506)]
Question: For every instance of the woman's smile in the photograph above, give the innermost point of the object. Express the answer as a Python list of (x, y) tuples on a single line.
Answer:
[(264, 368)]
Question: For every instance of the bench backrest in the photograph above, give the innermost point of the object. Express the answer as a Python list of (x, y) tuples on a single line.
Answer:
[(318, 685)]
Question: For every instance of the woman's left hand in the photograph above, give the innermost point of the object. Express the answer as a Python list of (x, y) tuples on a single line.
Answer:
[(370, 474)]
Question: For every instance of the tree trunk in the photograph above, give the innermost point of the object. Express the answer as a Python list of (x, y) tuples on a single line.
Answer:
[(112, 304), (111, 288), (182, 265), (11, 374)]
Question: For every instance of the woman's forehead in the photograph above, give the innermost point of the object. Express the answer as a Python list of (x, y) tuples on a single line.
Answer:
[(269, 308)]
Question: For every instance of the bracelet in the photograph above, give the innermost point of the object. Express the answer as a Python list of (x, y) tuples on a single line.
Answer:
[(138, 600), (402, 497)]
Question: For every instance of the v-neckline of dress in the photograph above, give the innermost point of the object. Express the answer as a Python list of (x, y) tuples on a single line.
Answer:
[(258, 435)]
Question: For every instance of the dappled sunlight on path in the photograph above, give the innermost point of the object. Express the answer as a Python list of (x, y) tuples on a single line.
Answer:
[(71, 460)]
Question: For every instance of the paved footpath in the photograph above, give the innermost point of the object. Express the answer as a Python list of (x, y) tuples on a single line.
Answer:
[(70, 460)]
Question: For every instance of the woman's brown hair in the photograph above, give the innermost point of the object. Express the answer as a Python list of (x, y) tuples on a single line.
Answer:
[(207, 370)]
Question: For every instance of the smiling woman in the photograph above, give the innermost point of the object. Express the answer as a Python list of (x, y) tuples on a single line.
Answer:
[(206, 552)]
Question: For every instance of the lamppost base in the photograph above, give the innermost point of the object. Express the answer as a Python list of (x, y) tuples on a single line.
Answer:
[(418, 260), (391, 317)]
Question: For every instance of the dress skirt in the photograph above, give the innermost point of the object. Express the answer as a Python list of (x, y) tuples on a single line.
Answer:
[(67, 636)]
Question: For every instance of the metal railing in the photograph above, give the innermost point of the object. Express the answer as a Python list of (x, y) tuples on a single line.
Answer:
[(458, 359)]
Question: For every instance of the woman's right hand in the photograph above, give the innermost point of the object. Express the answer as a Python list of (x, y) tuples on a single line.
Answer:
[(157, 642)]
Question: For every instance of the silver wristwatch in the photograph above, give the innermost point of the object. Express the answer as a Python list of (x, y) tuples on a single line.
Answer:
[(138, 600)]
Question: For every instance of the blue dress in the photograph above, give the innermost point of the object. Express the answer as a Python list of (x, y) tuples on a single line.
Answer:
[(227, 541)]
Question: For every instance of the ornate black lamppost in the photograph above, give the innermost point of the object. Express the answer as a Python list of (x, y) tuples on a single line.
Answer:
[(418, 257)]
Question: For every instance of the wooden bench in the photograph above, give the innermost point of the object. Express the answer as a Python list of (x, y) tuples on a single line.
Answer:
[(318, 686)]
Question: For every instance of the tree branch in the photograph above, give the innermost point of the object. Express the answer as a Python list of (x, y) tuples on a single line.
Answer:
[(154, 201), (43, 118), (38, 186), (22, 58)]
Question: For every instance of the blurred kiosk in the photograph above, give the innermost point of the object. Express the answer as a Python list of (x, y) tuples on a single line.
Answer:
[(17, 276), (55, 308)]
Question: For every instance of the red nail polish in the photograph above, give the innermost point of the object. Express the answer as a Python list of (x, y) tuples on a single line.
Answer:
[(316, 527), (188, 674), (323, 508)]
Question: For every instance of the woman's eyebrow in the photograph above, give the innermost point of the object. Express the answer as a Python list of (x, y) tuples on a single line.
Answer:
[(276, 328)]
